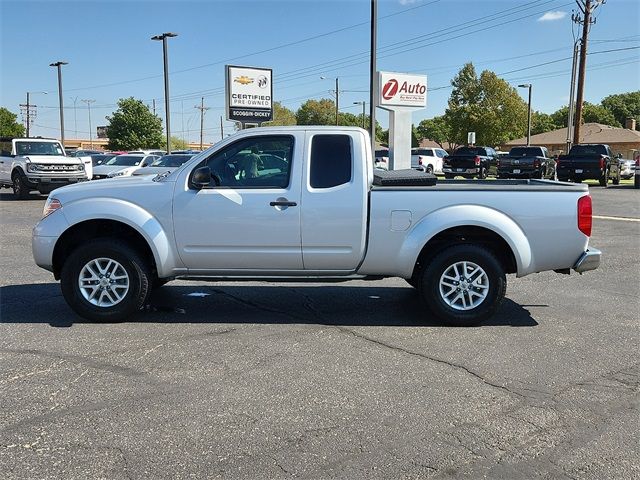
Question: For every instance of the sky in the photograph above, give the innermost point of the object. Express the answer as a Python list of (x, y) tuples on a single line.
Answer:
[(111, 55)]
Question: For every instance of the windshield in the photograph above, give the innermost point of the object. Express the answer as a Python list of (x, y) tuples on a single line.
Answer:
[(38, 148), (525, 152), (125, 160), (471, 151), (171, 161)]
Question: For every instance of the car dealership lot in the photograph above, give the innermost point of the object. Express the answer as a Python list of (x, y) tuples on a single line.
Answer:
[(351, 380)]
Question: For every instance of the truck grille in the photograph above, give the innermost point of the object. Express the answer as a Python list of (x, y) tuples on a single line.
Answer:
[(58, 168)]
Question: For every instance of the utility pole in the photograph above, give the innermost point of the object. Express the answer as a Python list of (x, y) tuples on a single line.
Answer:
[(529, 86), (89, 102), (587, 7), (337, 100), (75, 116), (372, 72), (202, 109), (58, 65), (165, 59), (572, 98), (221, 129), (154, 106)]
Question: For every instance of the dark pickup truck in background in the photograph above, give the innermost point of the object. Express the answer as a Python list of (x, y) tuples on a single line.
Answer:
[(470, 162), (589, 161), (529, 162)]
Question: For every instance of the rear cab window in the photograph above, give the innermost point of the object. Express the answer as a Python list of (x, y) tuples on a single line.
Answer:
[(331, 162)]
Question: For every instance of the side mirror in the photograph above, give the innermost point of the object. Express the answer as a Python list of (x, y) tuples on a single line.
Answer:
[(201, 177)]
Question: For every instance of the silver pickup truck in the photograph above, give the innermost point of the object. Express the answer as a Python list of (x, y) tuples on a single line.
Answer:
[(284, 202)]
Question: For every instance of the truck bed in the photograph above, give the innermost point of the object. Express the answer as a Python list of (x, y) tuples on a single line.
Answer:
[(492, 185)]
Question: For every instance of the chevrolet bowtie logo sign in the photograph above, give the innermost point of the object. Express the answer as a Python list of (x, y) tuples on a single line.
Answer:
[(243, 80)]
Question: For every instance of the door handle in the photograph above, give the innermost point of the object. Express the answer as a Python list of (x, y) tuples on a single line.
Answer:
[(283, 203)]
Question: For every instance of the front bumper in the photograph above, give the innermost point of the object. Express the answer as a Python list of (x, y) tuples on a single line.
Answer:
[(589, 260), (45, 181)]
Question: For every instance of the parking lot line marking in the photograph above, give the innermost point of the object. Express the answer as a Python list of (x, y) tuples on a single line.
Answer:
[(621, 219)]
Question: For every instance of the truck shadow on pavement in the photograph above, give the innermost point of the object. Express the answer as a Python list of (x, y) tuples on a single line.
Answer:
[(347, 305)]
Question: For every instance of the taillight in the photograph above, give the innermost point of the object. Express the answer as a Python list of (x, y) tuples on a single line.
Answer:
[(477, 160), (602, 161), (585, 212), (419, 161), (536, 163)]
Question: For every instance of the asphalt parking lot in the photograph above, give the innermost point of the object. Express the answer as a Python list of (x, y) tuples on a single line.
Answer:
[(351, 380)]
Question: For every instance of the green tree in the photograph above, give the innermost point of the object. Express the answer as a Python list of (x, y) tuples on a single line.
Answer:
[(317, 112), (281, 116), (487, 105), (436, 129), (133, 126), (590, 114), (9, 127), (623, 106), (178, 144), (542, 122)]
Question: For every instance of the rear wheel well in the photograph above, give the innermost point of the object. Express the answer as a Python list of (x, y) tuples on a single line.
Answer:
[(93, 229), (484, 237)]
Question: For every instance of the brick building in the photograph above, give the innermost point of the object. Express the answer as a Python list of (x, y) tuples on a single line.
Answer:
[(625, 141)]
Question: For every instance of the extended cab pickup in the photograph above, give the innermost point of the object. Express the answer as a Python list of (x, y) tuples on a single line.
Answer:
[(589, 161), (28, 164), (529, 162), (470, 162), (315, 210)]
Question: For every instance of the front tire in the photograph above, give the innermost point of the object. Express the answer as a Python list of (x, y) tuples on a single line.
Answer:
[(463, 285), (19, 184), (105, 281)]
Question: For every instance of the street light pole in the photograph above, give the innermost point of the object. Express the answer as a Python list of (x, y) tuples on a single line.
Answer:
[(89, 102), (529, 86), (58, 65), (164, 37), (363, 112)]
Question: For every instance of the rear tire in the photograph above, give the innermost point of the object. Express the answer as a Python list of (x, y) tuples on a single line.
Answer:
[(105, 281), (482, 174), (429, 169), (604, 179), (463, 285)]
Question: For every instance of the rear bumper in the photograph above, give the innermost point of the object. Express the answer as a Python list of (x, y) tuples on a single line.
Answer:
[(580, 173), (460, 171), (517, 172), (589, 260)]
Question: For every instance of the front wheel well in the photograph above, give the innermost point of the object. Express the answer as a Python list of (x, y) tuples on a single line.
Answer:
[(103, 228), (481, 236)]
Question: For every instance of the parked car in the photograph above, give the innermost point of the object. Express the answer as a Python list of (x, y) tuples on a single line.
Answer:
[(528, 162), (381, 160), (148, 152), (323, 213), (119, 162), (166, 163), (636, 173), (431, 159), (37, 163), (101, 158), (589, 161), (84, 153), (626, 168), (471, 162)]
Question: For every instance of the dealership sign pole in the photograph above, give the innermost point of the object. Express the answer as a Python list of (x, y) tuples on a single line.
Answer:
[(249, 94), (401, 94)]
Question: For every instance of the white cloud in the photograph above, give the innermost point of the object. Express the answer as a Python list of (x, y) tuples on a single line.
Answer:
[(553, 15)]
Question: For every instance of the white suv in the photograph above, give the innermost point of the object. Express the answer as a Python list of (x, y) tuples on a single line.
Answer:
[(428, 158), (28, 164)]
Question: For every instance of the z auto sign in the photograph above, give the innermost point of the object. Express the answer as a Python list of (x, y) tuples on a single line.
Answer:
[(402, 90), (249, 94)]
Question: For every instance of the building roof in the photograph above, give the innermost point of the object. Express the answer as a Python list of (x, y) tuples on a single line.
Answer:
[(426, 143), (589, 133)]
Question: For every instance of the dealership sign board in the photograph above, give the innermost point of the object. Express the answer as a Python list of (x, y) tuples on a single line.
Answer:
[(401, 90), (249, 94)]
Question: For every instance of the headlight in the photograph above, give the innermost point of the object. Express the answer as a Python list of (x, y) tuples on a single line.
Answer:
[(51, 205), (81, 167), (33, 167)]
